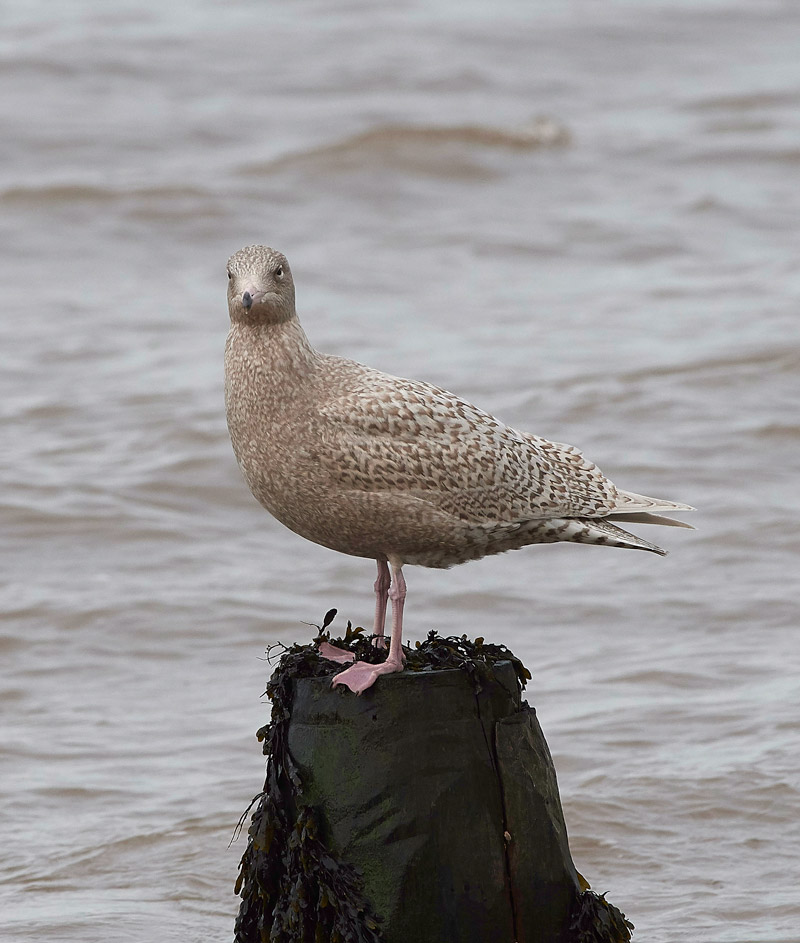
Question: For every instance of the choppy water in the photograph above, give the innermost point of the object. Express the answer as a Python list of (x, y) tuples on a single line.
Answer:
[(628, 281)]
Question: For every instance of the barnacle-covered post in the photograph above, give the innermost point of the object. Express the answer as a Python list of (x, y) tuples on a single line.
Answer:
[(426, 809)]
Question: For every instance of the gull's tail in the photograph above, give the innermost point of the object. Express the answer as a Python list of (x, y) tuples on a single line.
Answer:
[(602, 531), (630, 508)]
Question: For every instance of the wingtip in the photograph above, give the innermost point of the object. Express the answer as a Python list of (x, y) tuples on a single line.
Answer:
[(631, 501)]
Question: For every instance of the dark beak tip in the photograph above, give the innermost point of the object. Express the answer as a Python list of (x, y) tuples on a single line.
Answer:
[(247, 300)]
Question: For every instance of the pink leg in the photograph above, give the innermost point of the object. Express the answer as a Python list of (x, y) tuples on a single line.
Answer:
[(360, 676), (397, 593), (381, 587), (341, 655)]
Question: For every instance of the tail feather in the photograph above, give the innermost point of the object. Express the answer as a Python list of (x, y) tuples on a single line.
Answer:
[(643, 517), (602, 531)]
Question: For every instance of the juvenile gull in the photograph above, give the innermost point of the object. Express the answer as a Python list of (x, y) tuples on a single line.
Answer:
[(395, 470)]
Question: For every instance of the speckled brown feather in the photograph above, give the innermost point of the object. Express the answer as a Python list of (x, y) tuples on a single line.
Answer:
[(377, 466)]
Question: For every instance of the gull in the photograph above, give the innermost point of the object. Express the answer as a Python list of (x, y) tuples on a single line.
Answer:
[(395, 470)]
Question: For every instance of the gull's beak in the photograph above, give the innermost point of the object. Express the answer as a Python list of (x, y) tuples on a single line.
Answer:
[(250, 298)]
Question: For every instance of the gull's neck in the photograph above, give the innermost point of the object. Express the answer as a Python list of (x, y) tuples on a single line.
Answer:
[(281, 347)]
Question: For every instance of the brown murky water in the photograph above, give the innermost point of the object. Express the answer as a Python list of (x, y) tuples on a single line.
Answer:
[(623, 276)]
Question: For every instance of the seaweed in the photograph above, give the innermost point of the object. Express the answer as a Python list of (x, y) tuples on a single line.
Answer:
[(595, 920), (474, 656), (293, 888)]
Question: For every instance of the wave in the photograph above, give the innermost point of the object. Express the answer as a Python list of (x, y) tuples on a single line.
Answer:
[(90, 193), (757, 156), (747, 101), (451, 150), (771, 360)]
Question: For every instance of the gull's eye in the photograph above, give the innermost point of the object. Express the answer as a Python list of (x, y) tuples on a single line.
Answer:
[(230, 275), (279, 272)]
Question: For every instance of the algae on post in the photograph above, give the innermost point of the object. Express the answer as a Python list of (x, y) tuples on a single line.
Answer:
[(294, 888)]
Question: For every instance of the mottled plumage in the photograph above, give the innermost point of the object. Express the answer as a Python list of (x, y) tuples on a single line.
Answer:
[(397, 470)]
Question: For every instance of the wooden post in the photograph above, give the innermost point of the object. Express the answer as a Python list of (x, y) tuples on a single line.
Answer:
[(425, 810), (446, 801)]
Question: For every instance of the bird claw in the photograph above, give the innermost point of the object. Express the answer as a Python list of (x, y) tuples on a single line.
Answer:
[(332, 653), (362, 675)]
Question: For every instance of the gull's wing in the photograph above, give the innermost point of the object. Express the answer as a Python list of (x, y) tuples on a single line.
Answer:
[(391, 434)]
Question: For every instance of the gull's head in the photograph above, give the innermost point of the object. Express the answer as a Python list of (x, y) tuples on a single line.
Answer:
[(260, 285)]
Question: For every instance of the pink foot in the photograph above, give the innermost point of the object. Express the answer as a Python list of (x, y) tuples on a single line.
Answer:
[(361, 675), (379, 642), (332, 653)]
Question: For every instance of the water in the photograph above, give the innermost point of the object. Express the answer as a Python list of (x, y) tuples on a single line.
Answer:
[(633, 289)]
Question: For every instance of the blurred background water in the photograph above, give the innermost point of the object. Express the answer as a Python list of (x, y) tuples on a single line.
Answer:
[(582, 216)]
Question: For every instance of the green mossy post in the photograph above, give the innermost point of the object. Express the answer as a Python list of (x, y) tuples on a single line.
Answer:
[(438, 788)]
